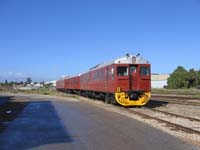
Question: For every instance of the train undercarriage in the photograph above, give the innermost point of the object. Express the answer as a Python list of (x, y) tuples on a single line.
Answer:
[(131, 98)]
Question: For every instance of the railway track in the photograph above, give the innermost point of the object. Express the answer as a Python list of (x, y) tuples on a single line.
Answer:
[(181, 100), (176, 115), (169, 124), (176, 102), (170, 96)]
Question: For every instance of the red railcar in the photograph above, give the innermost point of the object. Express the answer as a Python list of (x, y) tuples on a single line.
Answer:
[(60, 84), (68, 84), (72, 84), (126, 81)]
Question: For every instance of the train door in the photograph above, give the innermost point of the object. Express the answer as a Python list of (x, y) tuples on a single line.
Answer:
[(133, 77)]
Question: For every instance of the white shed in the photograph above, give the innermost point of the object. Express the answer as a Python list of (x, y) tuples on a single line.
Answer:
[(159, 80)]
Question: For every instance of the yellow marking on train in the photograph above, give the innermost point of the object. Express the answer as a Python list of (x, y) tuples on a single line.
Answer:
[(123, 99)]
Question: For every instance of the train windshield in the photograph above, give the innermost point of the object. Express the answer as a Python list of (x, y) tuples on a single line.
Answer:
[(144, 71), (122, 70), (133, 69)]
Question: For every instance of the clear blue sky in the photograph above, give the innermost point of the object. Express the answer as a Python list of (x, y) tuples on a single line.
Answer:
[(45, 39)]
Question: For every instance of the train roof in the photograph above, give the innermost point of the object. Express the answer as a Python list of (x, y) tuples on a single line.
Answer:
[(68, 77), (128, 59)]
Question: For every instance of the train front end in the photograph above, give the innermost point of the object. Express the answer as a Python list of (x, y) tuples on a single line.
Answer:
[(133, 81)]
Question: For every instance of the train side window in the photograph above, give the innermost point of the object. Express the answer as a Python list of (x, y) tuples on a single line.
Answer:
[(102, 74), (95, 75), (122, 71), (106, 73), (144, 71), (113, 73)]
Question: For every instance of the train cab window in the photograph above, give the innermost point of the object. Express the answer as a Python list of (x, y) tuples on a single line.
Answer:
[(144, 71), (132, 69), (122, 71)]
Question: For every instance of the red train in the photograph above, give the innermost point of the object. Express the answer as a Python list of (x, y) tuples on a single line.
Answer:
[(126, 81)]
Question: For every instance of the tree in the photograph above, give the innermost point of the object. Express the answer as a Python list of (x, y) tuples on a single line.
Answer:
[(48, 85), (28, 80), (42, 83), (192, 78), (6, 82), (21, 83), (178, 79), (198, 79)]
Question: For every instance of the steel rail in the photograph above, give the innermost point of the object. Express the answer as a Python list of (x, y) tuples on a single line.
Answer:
[(169, 124), (176, 115), (175, 97), (175, 101)]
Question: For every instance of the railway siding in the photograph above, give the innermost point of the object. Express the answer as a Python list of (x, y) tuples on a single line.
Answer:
[(186, 124)]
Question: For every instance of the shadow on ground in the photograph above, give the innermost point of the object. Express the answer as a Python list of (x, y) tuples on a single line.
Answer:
[(8, 110), (155, 103), (27, 125)]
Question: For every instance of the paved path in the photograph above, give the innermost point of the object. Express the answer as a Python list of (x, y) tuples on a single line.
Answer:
[(48, 124)]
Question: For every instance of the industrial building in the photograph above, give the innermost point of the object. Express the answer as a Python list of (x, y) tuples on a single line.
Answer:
[(159, 80)]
